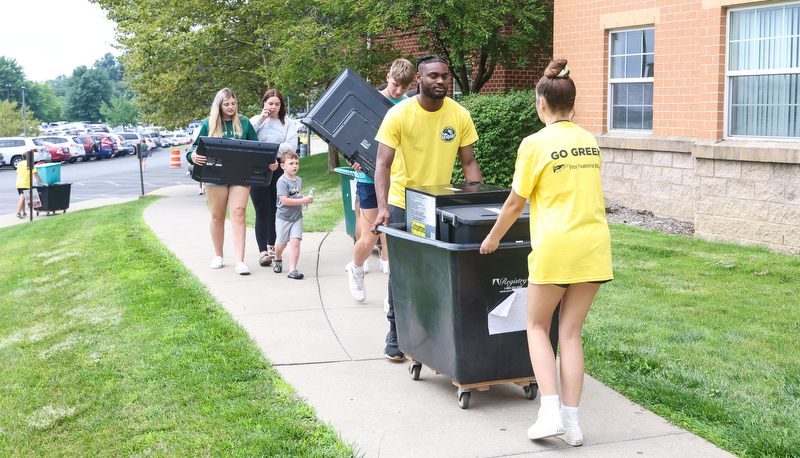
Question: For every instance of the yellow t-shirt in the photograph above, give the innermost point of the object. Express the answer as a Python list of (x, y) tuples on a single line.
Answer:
[(425, 143), (558, 168), (23, 176)]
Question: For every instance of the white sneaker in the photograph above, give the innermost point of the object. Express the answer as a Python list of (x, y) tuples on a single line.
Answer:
[(241, 269), (385, 266), (572, 432), (216, 263), (548, 424), (356, 282), (366, 266)]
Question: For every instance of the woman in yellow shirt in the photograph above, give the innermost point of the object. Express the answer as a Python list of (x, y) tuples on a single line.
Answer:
[(558, 168)]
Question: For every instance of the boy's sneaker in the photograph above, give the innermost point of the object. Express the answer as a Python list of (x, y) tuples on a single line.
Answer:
[(278, 266), (216, 263), (391, 350), (295, 275), (572, 432), (548, 424), (357, 289), (242, 269), (385, 266)]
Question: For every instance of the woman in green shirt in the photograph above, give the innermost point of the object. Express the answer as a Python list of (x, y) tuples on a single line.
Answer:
[(224, 121)]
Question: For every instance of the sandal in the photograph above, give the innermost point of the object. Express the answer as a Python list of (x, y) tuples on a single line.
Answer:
[(265, 260), (271, 252), (278, 267)]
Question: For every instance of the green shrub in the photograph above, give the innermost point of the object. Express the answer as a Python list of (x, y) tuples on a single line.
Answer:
[(502, 121)]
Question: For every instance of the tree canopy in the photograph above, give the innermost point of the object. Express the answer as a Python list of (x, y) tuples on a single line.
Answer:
[(11, 123), (86, 91)]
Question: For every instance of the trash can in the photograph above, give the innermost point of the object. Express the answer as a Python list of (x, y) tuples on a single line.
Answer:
[(444, 294), (303, 150), (347, 177), (53, 197), (49, 172)]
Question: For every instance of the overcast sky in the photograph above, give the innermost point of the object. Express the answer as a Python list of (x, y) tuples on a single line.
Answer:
[(49, 38)]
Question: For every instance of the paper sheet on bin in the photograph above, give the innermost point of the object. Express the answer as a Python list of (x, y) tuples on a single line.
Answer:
[(511, 314)]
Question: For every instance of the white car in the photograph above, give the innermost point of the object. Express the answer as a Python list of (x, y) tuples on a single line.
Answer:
[(68, 144), (183, 138), (12, 149)]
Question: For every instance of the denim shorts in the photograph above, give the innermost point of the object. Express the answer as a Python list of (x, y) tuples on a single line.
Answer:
[(366, 195)]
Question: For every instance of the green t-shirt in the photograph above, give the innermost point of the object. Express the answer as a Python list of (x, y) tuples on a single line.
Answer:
[(248, 133)]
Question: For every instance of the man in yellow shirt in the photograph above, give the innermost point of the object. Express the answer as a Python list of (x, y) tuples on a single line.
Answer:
[(24, 182), (419, 139)]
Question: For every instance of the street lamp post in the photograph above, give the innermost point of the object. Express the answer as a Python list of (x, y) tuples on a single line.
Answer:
[(24, 120), (8, 87)]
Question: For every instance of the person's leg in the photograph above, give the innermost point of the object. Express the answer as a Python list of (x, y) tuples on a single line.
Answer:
[(574, 308), (272, 207), (363, 247), (391, 351), (218, 205), (21, 204), (258, 195), (542, 302), (237, 197), (282, 228), (294, 255)]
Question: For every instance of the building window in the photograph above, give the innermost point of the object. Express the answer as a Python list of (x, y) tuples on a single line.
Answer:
[(631, 79), (763, 72)]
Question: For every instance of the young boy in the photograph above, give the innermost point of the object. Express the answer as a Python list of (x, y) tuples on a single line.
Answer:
[(289, 215)]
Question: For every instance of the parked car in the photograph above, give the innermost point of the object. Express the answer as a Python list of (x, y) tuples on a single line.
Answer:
[(90, 147), (123, 149), (12, 149), (108, 148), (57, 153), (183, 138), (68, 144), (155, 139), (131, 139)]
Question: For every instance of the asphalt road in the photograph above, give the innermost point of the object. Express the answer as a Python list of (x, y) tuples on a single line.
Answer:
[(115, 177)]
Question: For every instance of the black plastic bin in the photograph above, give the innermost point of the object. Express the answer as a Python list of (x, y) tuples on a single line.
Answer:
[(53, 197), (472, 223), (443, 293)]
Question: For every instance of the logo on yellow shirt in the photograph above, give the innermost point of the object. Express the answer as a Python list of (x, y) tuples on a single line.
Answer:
[(448, 134)]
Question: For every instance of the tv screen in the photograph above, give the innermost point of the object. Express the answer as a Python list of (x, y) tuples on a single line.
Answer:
[(348, 116), (235, 162)]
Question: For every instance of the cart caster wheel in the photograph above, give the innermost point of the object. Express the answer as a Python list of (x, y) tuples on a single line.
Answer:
[(414, 369), (463, 399), (531, 391)]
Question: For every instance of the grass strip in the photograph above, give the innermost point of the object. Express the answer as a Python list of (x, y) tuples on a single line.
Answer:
[(111, 347), (705, 335)]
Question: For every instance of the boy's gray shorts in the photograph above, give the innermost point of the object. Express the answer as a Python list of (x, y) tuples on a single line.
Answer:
[(287, 230)]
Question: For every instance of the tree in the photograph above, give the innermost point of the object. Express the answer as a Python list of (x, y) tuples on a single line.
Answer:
[(119, 112), (475, 34), (43, 102), (11, 123), (87, 90), (110, 65), (177, 58), (11, 73)]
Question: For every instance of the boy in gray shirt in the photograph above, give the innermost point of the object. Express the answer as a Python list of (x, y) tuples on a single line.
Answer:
[(289, 215)]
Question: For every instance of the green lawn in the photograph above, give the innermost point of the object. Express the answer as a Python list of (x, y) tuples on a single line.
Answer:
[(109, 346)]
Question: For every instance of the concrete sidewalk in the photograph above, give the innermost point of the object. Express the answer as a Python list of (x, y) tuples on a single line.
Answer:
[(330, 349)]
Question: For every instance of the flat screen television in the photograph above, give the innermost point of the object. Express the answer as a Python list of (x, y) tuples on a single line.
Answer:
[(235, 162), (348, 116)]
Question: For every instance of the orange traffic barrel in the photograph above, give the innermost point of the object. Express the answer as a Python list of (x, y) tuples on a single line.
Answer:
[(176, 158)]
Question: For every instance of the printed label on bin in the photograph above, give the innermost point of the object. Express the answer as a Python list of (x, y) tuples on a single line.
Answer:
[(421, 215), (510, 314)]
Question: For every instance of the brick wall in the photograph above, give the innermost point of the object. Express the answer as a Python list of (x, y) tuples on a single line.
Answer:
[(736, 191)]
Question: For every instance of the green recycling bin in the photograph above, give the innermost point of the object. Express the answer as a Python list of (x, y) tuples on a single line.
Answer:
[(347, 176)]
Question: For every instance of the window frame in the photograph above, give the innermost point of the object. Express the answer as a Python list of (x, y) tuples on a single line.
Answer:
[(730, 74), (611, 81)]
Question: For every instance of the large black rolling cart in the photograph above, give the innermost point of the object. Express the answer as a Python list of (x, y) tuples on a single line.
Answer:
[(54, 197), (443, 294)]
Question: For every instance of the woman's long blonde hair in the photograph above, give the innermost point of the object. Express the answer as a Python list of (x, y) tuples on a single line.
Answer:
[(215, 126)]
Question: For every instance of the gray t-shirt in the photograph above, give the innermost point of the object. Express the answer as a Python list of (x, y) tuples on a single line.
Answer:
[(294, 190)]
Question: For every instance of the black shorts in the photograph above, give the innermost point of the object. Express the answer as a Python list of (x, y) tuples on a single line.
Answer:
[(566, 285)]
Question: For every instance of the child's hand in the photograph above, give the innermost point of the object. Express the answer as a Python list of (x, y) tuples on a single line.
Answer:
[(309, 199)]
